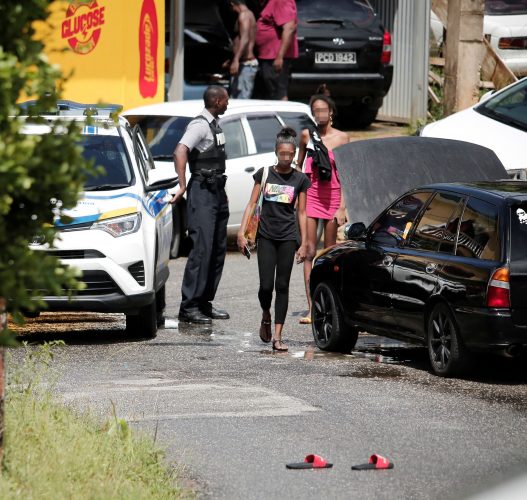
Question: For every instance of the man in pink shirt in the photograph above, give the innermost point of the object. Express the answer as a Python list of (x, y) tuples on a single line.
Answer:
[(277, 44)]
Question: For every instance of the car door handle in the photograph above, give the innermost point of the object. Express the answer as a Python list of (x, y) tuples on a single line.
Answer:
[(387, 261), (250, 169), (431, 268)]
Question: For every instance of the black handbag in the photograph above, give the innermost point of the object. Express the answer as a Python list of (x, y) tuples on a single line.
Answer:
[(320, 156)]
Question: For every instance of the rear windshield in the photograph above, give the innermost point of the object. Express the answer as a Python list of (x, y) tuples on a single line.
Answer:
[(519, 233), (505, 7), (508, 107), (108, 152), (356, 11), (162, 133)]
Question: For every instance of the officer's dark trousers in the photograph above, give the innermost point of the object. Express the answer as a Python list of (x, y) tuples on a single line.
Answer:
[(208, 214)]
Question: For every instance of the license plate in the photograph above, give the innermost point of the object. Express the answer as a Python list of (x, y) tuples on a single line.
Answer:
[(335, 58)]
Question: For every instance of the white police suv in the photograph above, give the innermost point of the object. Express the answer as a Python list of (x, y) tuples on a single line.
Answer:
[(120, 232)]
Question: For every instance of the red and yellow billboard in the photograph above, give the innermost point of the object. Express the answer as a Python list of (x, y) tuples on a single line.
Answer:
[(115, 49)]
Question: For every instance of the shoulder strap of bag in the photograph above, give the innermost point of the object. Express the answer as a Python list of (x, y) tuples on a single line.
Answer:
[(262, 186)]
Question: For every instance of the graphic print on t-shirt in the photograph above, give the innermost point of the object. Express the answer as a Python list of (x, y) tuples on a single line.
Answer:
[(279, 193)]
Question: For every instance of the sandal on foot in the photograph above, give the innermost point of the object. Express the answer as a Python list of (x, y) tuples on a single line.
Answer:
[(305, 320), (278, 345), (265, 331)]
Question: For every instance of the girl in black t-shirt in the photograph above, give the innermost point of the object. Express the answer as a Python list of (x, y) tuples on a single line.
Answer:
[(278, 233)]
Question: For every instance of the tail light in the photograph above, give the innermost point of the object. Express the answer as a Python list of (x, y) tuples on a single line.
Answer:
[(498, 292), (513, 43), (386, 56)]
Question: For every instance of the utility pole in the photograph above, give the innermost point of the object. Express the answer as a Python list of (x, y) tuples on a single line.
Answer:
[(463, 54), (177, 25), (3, 326)]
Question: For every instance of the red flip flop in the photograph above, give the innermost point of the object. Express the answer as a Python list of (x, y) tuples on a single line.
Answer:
[(376, 462), (311, 462)]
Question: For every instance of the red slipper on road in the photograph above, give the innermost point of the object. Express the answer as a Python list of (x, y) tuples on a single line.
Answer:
[(376, 462), (311, 462)]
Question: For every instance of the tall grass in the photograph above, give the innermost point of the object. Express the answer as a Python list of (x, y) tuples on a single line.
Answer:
[(50, 452)]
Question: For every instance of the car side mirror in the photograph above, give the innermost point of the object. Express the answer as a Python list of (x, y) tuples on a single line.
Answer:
[(161, 179), (355, 231), (486, 96)]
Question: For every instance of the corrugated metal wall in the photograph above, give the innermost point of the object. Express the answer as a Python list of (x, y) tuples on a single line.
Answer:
[(408, 21)]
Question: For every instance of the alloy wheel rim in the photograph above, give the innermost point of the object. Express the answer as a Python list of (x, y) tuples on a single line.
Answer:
[(441, 339), (323, 316)]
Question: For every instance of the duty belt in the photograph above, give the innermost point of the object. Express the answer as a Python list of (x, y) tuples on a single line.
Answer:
[(210, 176)]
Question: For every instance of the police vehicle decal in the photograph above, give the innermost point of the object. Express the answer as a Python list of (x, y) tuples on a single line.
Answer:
[(155, 205)]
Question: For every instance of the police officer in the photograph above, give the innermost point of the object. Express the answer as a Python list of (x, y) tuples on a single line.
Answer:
[(203, 146)]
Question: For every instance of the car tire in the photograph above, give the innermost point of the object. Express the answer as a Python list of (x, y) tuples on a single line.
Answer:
[(175, 244), (330, 330), (358, 116), (144, 324), (447, 353)]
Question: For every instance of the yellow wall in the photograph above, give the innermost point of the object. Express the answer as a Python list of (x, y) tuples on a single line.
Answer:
[(100, 40)]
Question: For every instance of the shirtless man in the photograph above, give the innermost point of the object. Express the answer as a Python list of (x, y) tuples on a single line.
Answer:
[(244, 65)]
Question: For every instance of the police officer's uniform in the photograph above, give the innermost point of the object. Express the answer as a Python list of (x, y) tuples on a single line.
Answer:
[(207, 211)]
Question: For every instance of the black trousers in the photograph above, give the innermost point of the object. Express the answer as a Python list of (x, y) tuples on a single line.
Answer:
[(276, 84), (208, 214), (275, 262)]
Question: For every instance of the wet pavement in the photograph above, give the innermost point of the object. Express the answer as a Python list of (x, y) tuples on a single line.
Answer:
[(233, 412)]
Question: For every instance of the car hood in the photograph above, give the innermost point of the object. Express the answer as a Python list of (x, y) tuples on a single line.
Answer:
[(373, 173), (469, 125)]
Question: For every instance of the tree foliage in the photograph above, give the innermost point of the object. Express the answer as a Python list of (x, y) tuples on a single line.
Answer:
[(40, 175)]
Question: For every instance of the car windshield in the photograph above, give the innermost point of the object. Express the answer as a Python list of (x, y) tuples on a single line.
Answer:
[(509, 107), (505, 7), (356, 11), (162, 133), (107, 151)]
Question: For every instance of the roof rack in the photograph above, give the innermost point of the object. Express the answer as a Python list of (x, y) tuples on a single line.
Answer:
[(72, 108)]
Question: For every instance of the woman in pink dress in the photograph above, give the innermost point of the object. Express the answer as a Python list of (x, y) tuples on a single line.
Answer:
[(325, 200)]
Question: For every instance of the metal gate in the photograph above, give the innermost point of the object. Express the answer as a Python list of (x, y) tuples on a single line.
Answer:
[(408, 21)]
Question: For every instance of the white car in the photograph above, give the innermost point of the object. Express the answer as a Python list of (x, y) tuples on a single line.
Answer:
[(498, 122), (250, 128), (121, 229), (505, 27)]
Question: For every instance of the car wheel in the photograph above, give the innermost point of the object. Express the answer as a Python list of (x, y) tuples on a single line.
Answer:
[(445, 348), (176, 232), (359, 116), (330, 331), (144, 324)]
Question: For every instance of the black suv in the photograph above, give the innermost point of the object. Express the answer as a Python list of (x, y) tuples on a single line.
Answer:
[(343, 44)]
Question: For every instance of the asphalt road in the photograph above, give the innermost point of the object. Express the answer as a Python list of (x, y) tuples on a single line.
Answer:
[(232, 413)]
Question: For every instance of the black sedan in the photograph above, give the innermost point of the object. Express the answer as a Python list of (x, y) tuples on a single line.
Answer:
[(444, 265)]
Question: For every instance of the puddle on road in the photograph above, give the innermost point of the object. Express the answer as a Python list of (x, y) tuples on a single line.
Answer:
[(376, 349), (79, 328), (389, 351)]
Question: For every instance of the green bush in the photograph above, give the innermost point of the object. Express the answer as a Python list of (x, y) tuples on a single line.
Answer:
[(40, 176)]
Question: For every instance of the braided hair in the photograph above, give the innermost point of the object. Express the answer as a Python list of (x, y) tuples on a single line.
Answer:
[(286, 136)]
